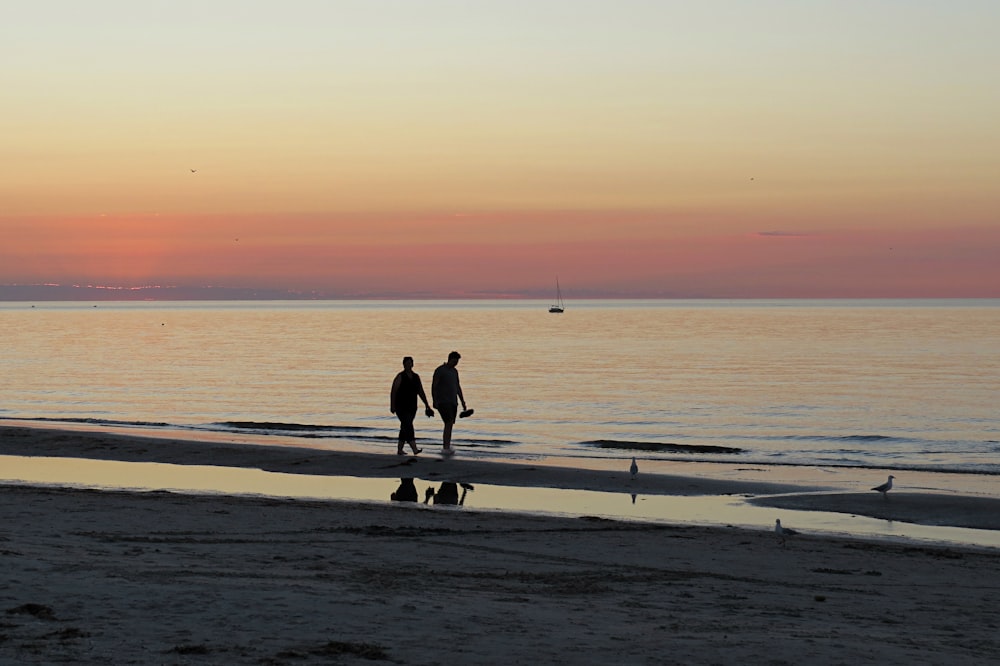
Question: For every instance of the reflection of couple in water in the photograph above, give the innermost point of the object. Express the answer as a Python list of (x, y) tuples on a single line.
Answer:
[(446, 494)]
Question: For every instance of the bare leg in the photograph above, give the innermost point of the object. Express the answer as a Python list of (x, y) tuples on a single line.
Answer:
[(406, 434), (446, 439)]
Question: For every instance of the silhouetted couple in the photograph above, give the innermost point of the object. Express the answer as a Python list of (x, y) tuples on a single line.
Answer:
[(446, 391)]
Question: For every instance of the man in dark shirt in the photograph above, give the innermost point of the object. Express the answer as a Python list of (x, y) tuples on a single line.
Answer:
[(446, 390)]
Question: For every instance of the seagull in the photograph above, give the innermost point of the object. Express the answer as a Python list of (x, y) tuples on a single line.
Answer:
[(634, 469), (885, 487), (194, 171), (782, 532)]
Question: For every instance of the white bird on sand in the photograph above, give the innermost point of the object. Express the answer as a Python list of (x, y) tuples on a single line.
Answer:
[(782, 531), (885, 487), (634, 469)]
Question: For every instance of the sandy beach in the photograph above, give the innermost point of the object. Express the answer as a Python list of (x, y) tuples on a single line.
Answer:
[(168, 578)]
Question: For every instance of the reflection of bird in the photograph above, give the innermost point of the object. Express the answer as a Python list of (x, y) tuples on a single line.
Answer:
[(782, 532), (634, 469), (885, 487)]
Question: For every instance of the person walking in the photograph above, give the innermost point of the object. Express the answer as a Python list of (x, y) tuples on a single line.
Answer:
[(406, 388), (446, 391)]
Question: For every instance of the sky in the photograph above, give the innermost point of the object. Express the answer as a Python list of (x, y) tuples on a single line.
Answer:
[(483, 148)]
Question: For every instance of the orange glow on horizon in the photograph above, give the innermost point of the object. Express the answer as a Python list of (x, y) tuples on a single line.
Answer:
[(600, 255)]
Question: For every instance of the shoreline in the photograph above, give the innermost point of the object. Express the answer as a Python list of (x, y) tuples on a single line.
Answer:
[(917, 508), (115, 576)]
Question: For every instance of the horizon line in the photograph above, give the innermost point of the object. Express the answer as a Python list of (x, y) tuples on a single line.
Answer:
[(53, 292)]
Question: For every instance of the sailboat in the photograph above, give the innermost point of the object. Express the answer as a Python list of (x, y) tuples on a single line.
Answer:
[(558, 308)]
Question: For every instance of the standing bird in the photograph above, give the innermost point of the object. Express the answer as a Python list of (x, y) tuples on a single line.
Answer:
[(634, 469), (885, 487), (782, 532)]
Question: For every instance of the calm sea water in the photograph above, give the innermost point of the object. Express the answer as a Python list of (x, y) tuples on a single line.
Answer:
[(884, 384)]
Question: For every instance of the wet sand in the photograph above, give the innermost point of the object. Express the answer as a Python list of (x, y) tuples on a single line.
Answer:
[(115, 577), (921, 508), (909, 507), (103, 445)]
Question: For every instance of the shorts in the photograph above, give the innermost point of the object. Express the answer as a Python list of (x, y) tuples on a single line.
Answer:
[(448, 412)]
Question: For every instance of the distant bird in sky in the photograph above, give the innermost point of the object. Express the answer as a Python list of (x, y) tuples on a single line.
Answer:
[(885, 487), (194, 171), (782, 532), (634, 469)]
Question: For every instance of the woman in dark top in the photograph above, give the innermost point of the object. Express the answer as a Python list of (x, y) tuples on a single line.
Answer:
[(406, 388)]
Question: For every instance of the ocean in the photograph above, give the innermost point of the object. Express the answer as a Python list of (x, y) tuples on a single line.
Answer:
[(873, 384)]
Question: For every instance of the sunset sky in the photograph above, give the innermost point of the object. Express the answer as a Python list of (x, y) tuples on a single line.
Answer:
[(480, 148)]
